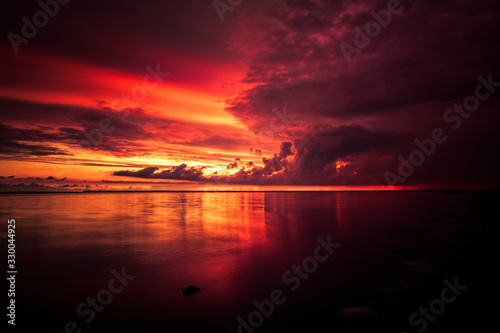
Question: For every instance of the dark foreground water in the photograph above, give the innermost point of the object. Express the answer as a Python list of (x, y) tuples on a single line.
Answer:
[(117, 262)]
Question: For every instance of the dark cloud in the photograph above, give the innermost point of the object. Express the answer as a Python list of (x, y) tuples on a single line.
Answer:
[(14, 148), (144, 173), (33, 187), (424, 61), (256, 152), (300, 63), (313, 158), (11, 136), (180, 172), (234, 164), (276, 164), (79, 128), (343, 155), (323, 145), (135, 182)]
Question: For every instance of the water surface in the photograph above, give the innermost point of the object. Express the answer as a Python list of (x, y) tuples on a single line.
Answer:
[(234, 246)]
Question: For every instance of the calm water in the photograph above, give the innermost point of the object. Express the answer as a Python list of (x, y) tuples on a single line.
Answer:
[(234, 246)]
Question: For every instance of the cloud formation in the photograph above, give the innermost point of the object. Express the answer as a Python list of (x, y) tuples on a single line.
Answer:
[(180, 172)]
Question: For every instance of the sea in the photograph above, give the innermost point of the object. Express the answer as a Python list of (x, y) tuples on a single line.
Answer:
[(255, 261)]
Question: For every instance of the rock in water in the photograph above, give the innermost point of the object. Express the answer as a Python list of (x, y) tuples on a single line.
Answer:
[(190, 290)]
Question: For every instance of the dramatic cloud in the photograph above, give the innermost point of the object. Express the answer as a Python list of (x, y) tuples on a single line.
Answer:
[(315, 160), (297, 60), (61, 129), (426, 59), (180, 172), (233, 165)]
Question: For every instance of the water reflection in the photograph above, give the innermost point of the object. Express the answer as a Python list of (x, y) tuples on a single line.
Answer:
[(234, 246)]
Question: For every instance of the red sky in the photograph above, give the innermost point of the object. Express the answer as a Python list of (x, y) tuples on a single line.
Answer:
[(166, 92)]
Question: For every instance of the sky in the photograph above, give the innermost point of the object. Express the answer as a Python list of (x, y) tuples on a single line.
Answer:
[(288, 93)]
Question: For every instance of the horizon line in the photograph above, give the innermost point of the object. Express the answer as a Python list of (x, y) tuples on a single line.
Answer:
[(248, 191)]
